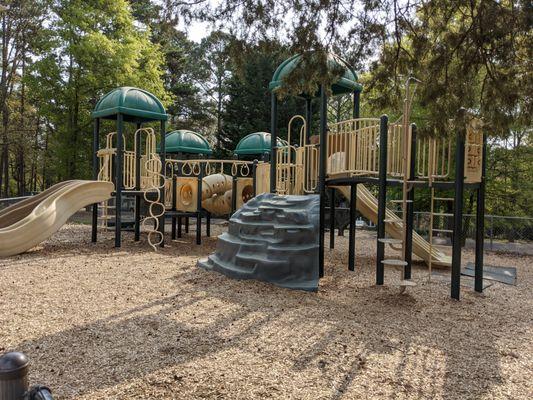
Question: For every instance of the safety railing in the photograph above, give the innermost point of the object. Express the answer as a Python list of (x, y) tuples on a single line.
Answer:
[(107, 160), (433, 158)]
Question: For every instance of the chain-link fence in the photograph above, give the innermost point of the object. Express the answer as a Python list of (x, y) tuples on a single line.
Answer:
[(500, 231)]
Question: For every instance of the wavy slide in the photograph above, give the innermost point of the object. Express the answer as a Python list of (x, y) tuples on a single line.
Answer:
[(367, 205), (33, 220)]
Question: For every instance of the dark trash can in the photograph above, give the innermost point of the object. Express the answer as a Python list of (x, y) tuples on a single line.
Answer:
[(13, 376)]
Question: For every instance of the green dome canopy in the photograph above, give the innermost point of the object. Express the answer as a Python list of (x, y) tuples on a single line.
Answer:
[(135, 104), (347, 82), (184, 141), (256, 143)]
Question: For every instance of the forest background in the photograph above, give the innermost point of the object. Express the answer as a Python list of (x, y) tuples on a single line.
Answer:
[(58, 57)]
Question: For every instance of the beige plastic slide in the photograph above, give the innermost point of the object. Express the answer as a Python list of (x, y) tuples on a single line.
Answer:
[(367, 205), (31, 221)]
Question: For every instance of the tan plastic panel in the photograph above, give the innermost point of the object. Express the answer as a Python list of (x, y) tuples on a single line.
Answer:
[(50, 214)]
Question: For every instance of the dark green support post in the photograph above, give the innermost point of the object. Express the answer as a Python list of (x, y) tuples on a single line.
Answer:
[(118, 180), (458, 210), (382, 198), (233, 194), (331, 217), (274, 141), (356, 104), (322, 175), (254, 178), (351, 233), (137, 216), (308, 118), (199, 205), (174, 203), (96, 167), (480, 222)]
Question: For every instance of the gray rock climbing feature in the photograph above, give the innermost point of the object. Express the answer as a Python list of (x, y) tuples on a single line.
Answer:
[(271, 238)]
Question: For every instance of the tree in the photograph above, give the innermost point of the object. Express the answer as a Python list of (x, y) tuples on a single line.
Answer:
[(213, 56), (92, 47), (182, 72), (247, 109), (21, 22)]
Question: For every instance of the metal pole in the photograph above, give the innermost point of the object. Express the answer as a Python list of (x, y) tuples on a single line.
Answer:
[(458, 213), (96, 147), (274, 141), (322, 174), (410, 207), (308, 118), (382, 198), (174, 208), (137, 183), (199, 206), (254, 178), (162, 156), (331, 217), (351, 231), (356, 104), (480, 222), (233, 194), (118, 180)]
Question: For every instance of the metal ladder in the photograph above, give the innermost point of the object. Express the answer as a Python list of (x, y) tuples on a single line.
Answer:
[(399, 263)]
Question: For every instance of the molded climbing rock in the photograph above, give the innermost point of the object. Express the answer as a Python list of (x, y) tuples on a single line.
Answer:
[(271, 238)]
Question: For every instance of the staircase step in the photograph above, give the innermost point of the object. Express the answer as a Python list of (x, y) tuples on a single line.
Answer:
[(390, 241), (394, 262)]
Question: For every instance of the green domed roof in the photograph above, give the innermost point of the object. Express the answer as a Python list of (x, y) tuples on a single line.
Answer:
[(135, 104), (347, 82), (184, 141), (256, 143)]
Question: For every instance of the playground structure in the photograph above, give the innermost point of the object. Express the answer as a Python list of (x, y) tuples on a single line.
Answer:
[(373, 151), (344, 157)]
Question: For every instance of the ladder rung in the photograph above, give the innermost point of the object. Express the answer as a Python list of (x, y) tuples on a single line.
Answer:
[(106, 217), (394, 263), (390, 241), (400, 201), (444, 198), (443, 214), (407, 282), (442, 230)]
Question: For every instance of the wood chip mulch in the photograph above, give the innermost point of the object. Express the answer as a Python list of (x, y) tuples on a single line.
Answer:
[(129, 323)]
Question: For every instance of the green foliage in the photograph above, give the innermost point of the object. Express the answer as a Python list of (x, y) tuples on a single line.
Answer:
[(92, 46), (247, 109)]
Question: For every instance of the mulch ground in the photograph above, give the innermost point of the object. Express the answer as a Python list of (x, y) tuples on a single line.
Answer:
[(129, 323)]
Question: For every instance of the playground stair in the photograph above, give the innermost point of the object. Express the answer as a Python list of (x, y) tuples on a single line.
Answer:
[(398, 244)]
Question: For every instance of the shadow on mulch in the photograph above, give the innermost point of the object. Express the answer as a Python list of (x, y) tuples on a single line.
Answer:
[(91, 355)]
